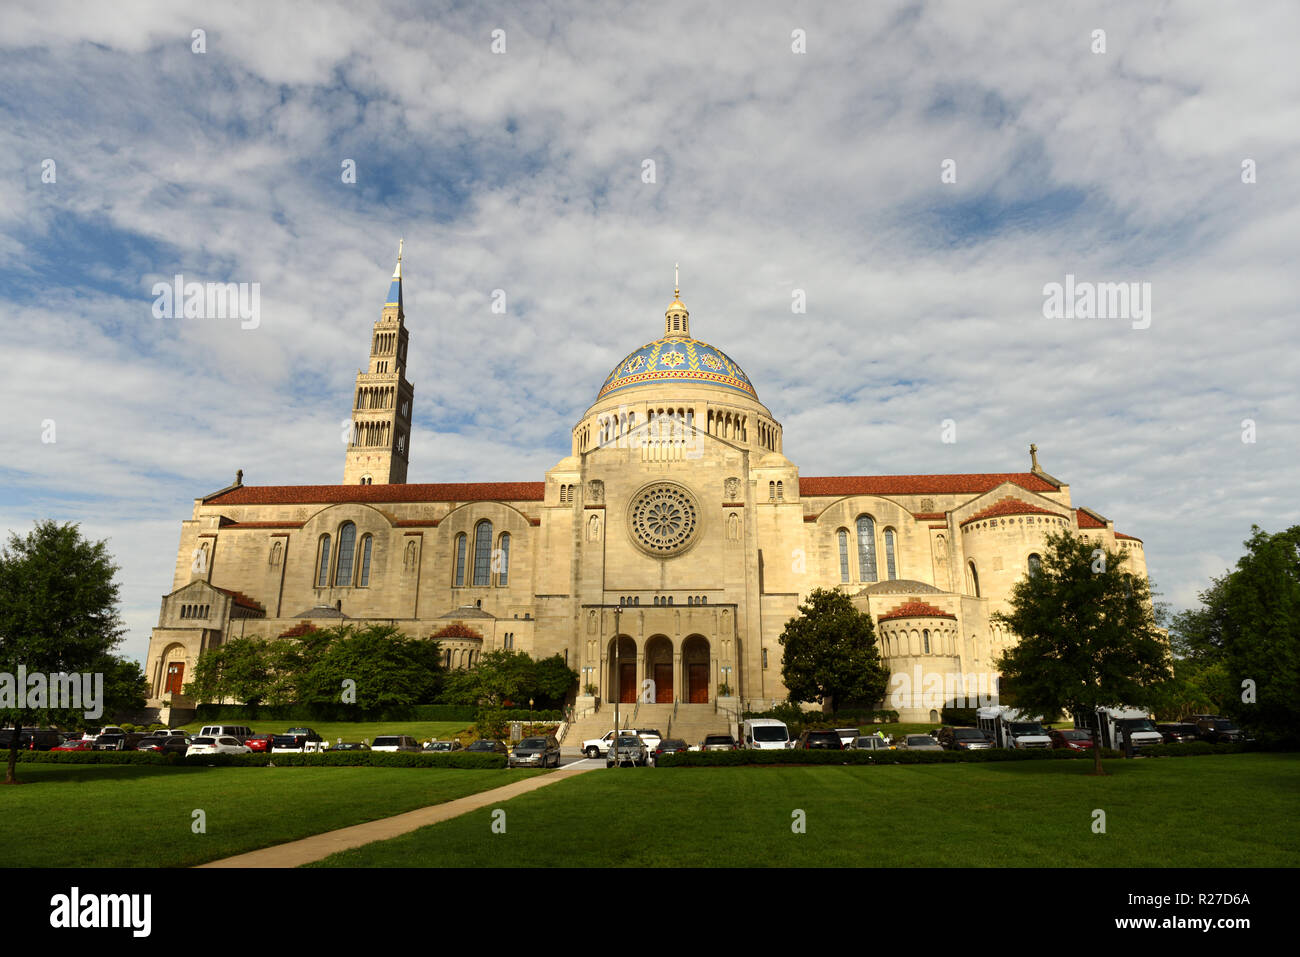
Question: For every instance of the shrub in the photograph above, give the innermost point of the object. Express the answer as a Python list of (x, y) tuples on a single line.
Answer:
[(377, 759), (691, 759)]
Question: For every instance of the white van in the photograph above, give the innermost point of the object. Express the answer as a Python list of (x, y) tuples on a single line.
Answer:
[(242, 732), (765, 734)]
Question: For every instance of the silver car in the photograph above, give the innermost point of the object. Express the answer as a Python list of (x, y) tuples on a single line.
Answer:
[(628, 749), (920, 742)]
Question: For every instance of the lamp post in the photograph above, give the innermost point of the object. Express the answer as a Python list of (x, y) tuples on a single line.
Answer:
[(618, 673)]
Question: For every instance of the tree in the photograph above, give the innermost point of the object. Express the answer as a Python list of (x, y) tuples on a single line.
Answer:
[(58, 613), (1087, 634), (501, 675), (389, 669), (553, 679), (1260, 635), (830, 652)]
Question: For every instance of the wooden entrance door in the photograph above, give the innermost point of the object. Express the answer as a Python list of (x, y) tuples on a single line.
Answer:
[(175, 677), (664, 684), (627, 682), (697, 678)]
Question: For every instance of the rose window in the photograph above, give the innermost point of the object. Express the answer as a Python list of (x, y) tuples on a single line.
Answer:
[(663, 519)]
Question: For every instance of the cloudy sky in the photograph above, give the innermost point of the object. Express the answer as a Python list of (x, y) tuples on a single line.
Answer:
[(134, 150)]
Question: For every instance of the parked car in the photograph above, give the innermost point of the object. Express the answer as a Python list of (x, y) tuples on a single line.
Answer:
[(395, 742), (240, 731), (260, 743), (669, 746), (628, 748), (489, 746), (77, 744), (1073, 739), (823, 740), (307, 733), (31, 739), (443, 747), (847, 736), (650, 736), (109, 729), (718, 742), (920, 742), (288, 743), (350, 746), (126, 741), (596, 747), (869, 742), (765, 734), (1219, 731), (164, 744), (218, 744), (535, 753), (963, 739), (1178, 733)]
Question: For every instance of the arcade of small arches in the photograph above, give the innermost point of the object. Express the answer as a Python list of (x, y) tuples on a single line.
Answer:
[(902, 641), (367, 434), (375, 397), (196, 611), (684, 672), (680, 422)]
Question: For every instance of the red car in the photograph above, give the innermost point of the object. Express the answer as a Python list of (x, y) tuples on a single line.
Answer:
[(260, 743), (75, 745), (1076, 739)]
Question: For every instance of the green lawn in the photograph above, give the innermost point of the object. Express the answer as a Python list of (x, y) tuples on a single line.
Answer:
[(132, 816), (1229, 811), (331, 731)]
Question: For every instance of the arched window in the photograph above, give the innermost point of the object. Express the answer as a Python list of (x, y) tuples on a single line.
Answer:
[(925, 636), (503, 573), (1035, 564), (347, 542), (670, 599), (780, 491), (636, 600), (891, 567), (704, 599), (974, 579), (363, 575), (323, 575), (460, 559), (483, 553), (771, 491), (844, 554), (866, 549)]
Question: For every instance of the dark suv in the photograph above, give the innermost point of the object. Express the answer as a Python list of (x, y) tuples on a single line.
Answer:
[(963, 739), (820, 740), (1219, 731), (1178, 733)]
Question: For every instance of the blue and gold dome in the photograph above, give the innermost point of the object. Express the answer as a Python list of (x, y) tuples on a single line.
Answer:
[(677, 359)]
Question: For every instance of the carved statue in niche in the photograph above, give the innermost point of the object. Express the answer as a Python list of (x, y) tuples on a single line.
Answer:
[(733, 527), (591, 621), (593, 529), (733, 489), (277, 552), (408, 561), (596, 492), (941, 579)]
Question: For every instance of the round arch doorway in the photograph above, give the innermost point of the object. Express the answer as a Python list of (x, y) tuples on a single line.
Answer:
[(659, 668), (695, 669), (622, 670)]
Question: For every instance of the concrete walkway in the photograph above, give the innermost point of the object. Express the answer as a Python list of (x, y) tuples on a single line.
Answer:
[(320, 846)]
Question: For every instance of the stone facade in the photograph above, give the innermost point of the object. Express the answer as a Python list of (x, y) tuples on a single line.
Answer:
[(672, 544)]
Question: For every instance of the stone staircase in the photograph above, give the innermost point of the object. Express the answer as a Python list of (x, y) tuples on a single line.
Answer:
[(692, 722)]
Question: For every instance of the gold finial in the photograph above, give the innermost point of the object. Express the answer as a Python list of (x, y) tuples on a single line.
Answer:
[(399, 249), (677, 283)]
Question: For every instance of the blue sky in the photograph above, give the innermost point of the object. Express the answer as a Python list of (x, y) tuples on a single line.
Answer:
[(775, 171)]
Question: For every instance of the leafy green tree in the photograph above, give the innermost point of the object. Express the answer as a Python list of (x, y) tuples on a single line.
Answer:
[(553, 679), (1087, 634), (1261, 635), (389, 669), (500, 676), (58, 613), (830, 652)]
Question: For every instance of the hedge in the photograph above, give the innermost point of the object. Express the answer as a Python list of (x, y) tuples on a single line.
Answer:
[(247, 714), (694, 759), (836, 719), (374, 759)]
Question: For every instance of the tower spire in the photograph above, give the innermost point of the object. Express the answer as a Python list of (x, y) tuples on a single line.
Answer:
[(677, 321), (395, 287)]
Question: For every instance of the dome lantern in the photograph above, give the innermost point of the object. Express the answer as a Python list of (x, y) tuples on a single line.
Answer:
[(677, 321)]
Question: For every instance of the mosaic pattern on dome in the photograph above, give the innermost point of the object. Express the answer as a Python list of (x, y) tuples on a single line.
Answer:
[(678, 360)]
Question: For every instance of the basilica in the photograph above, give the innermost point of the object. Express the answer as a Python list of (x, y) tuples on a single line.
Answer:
[(661, 558)]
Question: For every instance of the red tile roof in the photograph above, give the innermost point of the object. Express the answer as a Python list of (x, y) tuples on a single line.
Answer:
[(329, 494), (1009, 506), (928, 516), (921, 484), (241, 599), (1088, 518), (225, 526), (1131, 538), (916, 609)]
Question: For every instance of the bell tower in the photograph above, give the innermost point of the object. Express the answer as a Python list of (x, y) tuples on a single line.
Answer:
[(380, 444)]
